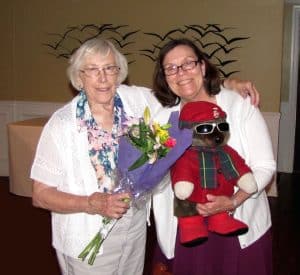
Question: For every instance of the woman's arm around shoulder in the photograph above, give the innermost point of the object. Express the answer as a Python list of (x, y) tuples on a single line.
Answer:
[(244, 88)]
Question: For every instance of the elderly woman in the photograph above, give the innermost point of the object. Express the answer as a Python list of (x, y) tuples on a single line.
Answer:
[(76, 186), (184, 74)]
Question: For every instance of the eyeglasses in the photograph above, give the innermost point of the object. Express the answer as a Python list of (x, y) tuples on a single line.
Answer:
[(173, 69), (108, 70), (208, 128)]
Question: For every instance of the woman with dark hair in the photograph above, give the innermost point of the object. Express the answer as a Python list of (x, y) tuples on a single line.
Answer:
[(164, 93), (184, 74)]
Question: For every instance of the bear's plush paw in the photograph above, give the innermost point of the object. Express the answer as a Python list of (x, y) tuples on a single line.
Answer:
[(183, 189), (247, 183)]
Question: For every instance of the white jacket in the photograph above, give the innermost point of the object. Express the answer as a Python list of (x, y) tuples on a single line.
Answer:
[(250, 137), (62, 161)]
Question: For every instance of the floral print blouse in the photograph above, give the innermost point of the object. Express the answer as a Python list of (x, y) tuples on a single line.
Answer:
[(103, 146)]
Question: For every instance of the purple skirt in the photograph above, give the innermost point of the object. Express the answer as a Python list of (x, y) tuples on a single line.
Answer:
[(220, 255)]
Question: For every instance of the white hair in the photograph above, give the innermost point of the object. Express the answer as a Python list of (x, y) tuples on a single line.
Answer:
[(95, 46)]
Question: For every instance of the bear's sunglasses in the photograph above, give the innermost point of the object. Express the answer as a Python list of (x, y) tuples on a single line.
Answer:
[(208, 128)]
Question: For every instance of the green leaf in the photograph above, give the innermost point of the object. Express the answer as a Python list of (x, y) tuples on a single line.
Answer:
[(139, 162), (166, 126), (163, 151), (136, 141)]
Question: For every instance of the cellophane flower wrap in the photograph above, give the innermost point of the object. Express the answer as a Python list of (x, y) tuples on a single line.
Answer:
[(147, 150)]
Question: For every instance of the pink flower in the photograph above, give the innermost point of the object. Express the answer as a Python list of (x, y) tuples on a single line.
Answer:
[(170, 142)]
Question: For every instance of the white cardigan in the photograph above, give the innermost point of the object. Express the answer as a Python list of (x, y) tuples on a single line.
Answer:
[(250, 137), (62, 161)]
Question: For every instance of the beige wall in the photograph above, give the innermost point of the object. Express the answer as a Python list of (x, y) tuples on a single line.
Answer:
[(29, 72)]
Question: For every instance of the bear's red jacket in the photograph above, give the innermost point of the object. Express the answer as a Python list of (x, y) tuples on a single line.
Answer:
[(187, 168)]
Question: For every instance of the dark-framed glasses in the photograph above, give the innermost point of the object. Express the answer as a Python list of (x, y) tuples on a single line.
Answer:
[(208, 128), (172, 69), (95, 71)]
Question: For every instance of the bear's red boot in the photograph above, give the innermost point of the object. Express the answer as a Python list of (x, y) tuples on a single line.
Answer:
[(192, 229), (224, 224)]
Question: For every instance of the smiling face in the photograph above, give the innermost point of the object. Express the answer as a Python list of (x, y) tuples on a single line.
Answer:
[(101, 88), (187, 84)]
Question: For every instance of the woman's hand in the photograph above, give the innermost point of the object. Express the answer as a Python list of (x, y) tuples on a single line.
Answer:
[(244, 88), (216, 204), (108, 205)]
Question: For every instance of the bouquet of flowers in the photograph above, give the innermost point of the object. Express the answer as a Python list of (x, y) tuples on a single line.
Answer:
[(146, 152), (153, 140)]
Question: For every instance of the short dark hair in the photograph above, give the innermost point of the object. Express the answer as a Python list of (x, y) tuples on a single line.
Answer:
[(161, 89)]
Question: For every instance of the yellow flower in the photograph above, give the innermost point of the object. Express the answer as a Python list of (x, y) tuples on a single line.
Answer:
[(161, 132)]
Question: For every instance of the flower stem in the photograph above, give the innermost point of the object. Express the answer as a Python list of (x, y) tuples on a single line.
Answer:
[(90, 246), (95, 250), (94, 245)]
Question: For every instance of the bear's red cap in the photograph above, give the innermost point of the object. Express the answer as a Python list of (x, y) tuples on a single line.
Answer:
[(200, 111)]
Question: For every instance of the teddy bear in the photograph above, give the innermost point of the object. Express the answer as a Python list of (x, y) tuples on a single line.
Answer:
[(208, 166)]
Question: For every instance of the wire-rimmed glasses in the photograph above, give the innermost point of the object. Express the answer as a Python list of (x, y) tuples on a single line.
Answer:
[(95, 71)]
